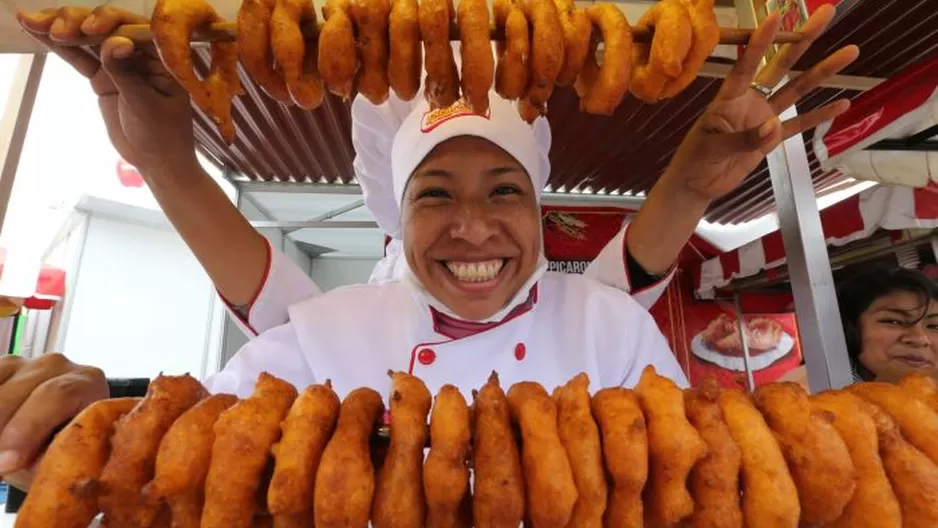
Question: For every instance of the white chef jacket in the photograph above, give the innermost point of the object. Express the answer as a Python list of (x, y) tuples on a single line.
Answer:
[(286, 284), (353, 335)]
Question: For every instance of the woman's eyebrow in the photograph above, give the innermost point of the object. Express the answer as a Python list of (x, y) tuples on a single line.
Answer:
[(433, 173), (507, 169), (898, 311)]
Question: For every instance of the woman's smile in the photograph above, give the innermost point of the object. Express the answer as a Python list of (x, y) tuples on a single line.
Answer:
[(475, 277)]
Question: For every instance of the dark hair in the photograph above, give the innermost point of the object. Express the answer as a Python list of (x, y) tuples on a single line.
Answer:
[(860, 291)]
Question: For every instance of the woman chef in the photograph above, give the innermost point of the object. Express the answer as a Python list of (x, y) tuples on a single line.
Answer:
[(476, 297), (143, 107)]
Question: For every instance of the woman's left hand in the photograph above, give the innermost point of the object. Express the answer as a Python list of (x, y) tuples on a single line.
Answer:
[(741, 125)]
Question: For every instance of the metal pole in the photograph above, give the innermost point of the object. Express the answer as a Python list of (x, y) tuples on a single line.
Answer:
[(14, 122), (812, 282), (744, 339)]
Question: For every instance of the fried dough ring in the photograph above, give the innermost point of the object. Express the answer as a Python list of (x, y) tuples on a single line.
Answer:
[(446, 476), (305, 432), (706, 36), (135, 443), (512, 72), (714, 481), (547, 50), (59, 495), (442, 83), (914, 477), (345, 482), (653, 65), (922, 387), (371, 21), (297, 61), (579, 435), (577, 31), (612, 79), (498, 490), (244, 435), (874, 504), (551, 490), (528, 111), (769, 498), (172, 24), (674, 446), (405, 62), (589, 72), (918, 423), (338, 60), (625, 446), (478, 64), (254, 39), (399, 501), (183, 459), (817, 457)]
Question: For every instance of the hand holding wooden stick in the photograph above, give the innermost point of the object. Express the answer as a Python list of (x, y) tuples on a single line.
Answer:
[(226, 31)]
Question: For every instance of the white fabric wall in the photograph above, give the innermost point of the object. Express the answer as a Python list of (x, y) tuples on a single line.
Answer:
[(330, 273), (141, 303)]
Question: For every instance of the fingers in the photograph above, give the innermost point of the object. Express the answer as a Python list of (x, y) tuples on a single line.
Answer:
[(39, 22), (49, 406), (123, 66), (105, 19), (762, 138), (801, 123), (29, 375), (67, 25), (746, 66), (811, 79), (788, 55)]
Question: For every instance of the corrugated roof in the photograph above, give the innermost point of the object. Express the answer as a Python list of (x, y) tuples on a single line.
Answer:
[(625, 153)]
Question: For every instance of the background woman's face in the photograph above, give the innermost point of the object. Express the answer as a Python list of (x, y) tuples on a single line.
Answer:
[(471, 226), (896, 339)]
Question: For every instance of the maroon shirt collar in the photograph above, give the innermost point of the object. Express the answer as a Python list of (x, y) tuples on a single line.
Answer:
[(454, 328)]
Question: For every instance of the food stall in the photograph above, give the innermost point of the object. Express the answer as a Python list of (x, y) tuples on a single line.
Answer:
[(286, 150), (589, 196)]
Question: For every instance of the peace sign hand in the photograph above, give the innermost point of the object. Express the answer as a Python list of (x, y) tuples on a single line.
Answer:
[(146, 112), (741, 125)]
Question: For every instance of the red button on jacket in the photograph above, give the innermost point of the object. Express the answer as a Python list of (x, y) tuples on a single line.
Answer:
[(426, 356), (520, 351)]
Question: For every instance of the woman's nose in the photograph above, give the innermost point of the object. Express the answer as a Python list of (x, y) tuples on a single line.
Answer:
[(472, 225), (916, 335)]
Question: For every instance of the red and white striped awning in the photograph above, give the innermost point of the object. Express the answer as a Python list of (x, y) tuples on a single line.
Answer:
[(880, 207), (904, 105)]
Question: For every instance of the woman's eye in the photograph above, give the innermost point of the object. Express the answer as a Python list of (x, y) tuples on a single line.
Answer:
[(893, 322), (433, 193), (503, 190)]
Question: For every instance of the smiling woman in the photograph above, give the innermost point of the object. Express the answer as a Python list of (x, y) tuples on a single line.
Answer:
[(890, 319), (471, 226)]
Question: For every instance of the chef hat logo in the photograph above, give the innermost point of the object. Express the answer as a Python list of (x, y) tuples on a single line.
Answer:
[(436, 117)]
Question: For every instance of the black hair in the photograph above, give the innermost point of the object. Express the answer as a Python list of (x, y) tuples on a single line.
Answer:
[(861, 290)]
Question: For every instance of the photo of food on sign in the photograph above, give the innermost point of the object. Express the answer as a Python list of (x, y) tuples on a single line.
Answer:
[(574, 236), (716, 346)]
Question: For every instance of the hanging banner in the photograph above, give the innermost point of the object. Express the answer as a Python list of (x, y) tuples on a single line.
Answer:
[(716, 346), (574, 236)]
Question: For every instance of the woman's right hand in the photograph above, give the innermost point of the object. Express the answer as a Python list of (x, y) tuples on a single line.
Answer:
[(147, 113)]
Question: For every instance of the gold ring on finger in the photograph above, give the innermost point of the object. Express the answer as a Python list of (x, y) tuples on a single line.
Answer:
[(764, 91)]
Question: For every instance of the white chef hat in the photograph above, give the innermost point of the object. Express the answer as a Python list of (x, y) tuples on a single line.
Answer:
[(425, 128), (374, 128)]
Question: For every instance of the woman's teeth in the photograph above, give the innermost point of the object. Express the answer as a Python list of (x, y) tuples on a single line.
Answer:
[(475, 271)]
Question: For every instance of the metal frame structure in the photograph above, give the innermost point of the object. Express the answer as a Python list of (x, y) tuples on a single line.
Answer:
[(14, 122)]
